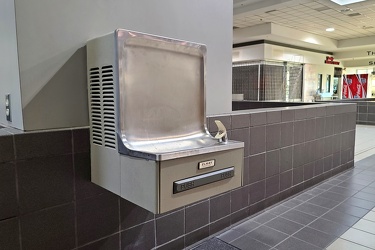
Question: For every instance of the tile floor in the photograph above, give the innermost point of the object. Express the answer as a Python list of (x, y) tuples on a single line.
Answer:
[(337, 214)]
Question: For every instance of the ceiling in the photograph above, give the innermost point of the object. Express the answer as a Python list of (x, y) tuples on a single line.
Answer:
[(303, 23)]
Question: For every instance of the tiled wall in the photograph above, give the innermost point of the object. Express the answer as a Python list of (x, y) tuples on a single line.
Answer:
[(365, 110), (48, 202)]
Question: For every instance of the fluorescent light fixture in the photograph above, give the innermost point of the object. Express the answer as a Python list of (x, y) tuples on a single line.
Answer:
[(345, 2), (330, 29)]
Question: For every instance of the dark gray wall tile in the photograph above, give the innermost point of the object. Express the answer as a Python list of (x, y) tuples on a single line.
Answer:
[(257, 119), (321, 111), (246, 171), (286, 179), (308, 171), (319, 167), (272, 163), (6, 148), (286, 159), (9, 234), (287, 134), (83, 185), (132, 214), (239, 198), (299, 132), (257, 140), (273, 136), (329, 125), (272, 185), (240, 121), (297, 175), (327, 163), (287, 115), (300, 114), (139, 237), (363, 117), (45, 182), (330, 110), (219, 207), (257, 167), (97, 217), (51, 228), (178, 243), (81, 140), (196, 216), (109, 243), (31, 145), (8, 191), (336, 143), (319, 148), (336, 159), (273, 117), (239, 215), (219, 225), (320, 127), (310, 151), (196, 236), (243, 135), (338, 120), (328, 142), (298, 155), (257, 191), (310, 129)]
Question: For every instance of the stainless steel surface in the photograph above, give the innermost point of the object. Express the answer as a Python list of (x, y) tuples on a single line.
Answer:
[(201, 180), (161, 92)]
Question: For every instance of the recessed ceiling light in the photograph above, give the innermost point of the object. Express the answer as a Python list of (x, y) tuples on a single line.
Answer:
[(345, 2), (330, 29)]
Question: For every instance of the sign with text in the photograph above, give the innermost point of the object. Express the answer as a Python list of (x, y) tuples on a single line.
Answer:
[(330, 60), (354, 86)]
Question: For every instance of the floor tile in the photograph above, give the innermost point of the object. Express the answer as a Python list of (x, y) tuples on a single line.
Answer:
[(365, 225), (341, 218), (315, 237), (230, 235), (360, 237), (359, 203), (341, 244), (295, 244), (352, 210), (248, 243), (299, 217), (304, 197), (214, 243), (284, 225), (267, 235), (342, 191), (280, 209), (365, 196), (246, 226), (311, 209), (329, 227), (351, 185), (333, 196), (264, 217), (323, 202), (369, 190), (292, 203), (370, 216)]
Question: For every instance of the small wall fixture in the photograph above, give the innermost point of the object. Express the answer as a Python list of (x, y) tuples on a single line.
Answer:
[(330, 29)]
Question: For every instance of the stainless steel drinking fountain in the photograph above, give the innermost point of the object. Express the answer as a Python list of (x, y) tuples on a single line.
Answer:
[(149, 139)]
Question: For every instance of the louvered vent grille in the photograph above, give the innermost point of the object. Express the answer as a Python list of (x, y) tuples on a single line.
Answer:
[(102, 106)]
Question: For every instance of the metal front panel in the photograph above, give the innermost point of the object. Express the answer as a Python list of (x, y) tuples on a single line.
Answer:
[(161, 92), (180, 169)]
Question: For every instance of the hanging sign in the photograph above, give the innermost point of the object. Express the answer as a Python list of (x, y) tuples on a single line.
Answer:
[(330, 60), (354, 86)]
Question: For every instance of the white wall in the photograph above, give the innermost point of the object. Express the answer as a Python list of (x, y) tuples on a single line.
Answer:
[(51, 34), (9, 76)]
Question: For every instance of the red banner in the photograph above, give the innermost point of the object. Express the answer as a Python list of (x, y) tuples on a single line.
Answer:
[(354, 86)]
